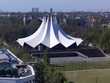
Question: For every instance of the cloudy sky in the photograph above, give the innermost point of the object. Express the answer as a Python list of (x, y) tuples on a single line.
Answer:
[(64, 5)]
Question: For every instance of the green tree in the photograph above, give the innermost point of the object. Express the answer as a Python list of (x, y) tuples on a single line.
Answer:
[(47, 74), (93, 35), (105, 40)]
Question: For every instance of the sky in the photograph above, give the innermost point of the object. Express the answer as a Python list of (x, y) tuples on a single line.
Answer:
[(57, 5)]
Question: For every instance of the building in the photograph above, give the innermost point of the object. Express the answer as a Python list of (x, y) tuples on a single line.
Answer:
[(61, 47), (35, 10), (12, 69), (50, 35)]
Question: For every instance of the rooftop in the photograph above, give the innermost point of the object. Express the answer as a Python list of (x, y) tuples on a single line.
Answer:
[(5, 56), (10, 66)]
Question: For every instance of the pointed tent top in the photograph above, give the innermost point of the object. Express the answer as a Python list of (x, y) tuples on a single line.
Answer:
[(49, 34)]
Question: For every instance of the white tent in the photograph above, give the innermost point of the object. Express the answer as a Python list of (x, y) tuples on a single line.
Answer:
[(49, 34)]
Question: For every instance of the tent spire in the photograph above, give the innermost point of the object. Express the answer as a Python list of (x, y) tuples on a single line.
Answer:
[(49, 34)]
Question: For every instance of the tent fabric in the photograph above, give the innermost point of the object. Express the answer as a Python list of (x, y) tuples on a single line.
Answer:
[(49, 34)]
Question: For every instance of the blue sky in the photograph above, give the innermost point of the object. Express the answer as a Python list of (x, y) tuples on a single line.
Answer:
[(64, 5)]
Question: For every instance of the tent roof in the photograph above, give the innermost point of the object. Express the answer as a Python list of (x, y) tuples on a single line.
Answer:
[(49, 34)]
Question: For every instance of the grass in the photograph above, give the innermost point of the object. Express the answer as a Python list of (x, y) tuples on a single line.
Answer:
[(88, 76), (86, 72), (83, 66)]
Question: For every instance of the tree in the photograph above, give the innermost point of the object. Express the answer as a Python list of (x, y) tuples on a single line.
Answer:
[(93, 36), (47, 74), (105, 40)]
